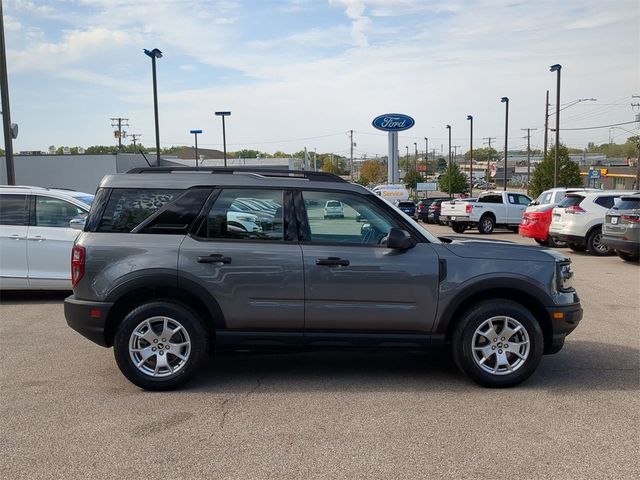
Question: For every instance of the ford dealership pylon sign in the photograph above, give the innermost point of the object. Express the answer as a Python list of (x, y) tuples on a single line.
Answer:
[(393, 122)]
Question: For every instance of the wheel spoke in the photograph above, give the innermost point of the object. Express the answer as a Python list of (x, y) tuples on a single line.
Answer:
[(148, 335), (508, 332), (178, 355)]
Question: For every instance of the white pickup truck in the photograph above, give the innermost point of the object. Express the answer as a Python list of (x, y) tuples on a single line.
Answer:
[(492, 209)]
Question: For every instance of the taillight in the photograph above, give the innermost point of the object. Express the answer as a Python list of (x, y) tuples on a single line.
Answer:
[(576, 210), (469, 208), (631, 218), (78, 255)]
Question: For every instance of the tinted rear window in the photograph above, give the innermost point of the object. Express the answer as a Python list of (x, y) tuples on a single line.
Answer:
[(606, 202), (491, 198), (13, 210), (570, 201), (128, 207), (628, 204), (406, 204)]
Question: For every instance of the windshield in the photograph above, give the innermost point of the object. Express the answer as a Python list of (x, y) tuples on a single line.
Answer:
[(87, 199)]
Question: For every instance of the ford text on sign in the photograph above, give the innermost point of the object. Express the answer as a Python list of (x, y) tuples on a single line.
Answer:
[(393, 122)]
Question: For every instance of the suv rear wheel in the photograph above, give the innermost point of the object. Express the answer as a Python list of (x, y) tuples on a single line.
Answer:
[(595, 245), (160, 345), (498, 343)]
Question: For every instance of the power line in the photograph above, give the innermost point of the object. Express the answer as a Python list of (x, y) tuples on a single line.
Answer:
[(600, 126)]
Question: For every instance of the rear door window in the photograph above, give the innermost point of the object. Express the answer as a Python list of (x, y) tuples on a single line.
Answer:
[(13, 210), (606, 202), (53, 212)]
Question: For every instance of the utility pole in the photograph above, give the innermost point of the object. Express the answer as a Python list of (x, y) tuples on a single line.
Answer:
[(134, 138), (120, 122), (315, 165), (6, 115), (426, 149), (528, 137), (633, 106), (546, 126), (351, 156), (488, 141)]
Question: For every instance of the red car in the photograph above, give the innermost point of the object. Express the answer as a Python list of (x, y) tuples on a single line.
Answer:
[(535, 224)]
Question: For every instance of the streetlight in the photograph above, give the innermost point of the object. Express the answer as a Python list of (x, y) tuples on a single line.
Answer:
[(195, 134), (415, 145), (505, 100), (470, 118), (426, 150), (224, 137), (153, 54), (556, 68), (449, 128)]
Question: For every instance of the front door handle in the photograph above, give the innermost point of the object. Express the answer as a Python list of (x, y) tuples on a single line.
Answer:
[(214, 258), (15, 236), (333, 262)]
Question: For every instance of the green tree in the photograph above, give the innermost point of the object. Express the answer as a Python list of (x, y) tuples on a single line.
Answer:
[(441, 165), (411, 179), (331, 168), (568, 172), (482, 154), (458, 180)]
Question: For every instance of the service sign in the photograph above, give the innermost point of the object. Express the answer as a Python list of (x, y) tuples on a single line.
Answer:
[(393, 122)]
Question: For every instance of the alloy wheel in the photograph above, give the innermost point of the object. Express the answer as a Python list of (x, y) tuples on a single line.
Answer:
[(500, 345)]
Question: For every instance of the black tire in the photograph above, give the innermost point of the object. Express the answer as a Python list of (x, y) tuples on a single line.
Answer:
[(544, 243), (513, 229), (577, 248), (628, 257), (486, 224), (459, 227), (465, 334), (595, 245), (195, 352), (555, 243)]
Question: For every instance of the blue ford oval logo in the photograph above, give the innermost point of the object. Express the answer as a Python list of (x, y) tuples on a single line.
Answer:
[(393, 122)]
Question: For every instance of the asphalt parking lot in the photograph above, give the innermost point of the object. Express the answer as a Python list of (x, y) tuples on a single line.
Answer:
[(67, 412)]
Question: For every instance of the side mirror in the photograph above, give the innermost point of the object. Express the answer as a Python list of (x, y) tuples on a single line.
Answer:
[(77, 223), (399, 239)]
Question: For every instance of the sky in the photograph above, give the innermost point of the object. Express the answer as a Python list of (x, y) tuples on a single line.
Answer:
[(303, 73)]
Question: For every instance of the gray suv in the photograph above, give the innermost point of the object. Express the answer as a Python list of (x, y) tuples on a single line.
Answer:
[(176, 262)]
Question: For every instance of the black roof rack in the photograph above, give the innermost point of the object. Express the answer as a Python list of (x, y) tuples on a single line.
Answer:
[(265, 172)]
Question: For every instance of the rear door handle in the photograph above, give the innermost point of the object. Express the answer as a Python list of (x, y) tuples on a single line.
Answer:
[(333, 262), (37, 238), (214, 258)]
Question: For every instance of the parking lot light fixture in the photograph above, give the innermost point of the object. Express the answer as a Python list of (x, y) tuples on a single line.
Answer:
[(556, 68), (449, 128), (195, 134), (505, 100), (154, 54), (224, 135), (470, 118)]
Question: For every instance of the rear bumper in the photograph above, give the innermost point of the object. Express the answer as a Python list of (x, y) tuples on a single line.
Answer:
[(573, 239), (626, 246), (87, 318), (455, 218), (564, 320)]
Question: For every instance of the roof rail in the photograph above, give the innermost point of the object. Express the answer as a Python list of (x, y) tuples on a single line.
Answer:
[(262, 171)]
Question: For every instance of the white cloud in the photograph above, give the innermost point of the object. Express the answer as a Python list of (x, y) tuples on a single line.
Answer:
[(11, 24)]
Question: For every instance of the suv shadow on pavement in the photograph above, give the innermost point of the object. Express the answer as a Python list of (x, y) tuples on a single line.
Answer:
[(581, 367)]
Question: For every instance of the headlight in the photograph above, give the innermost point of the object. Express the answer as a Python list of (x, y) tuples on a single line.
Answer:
[(565, 277)]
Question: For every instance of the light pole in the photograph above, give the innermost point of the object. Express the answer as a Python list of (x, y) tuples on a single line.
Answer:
[(224, 135), (426, 150), (195, 134), (556, 68), (153, 54), (505, 100), (449, 175), (470, 118), (415, 145), (407, 166)]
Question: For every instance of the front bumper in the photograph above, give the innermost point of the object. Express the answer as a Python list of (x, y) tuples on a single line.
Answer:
[(626, 246), (564, 319), (87, 318)]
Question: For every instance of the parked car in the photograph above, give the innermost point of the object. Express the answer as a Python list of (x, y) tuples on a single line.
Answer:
[(167, 285), (392, 192), (537, 217), (407, 207), (433, 214), (422, 207), (490, 210), (621, 228), (578, 220), (37, 230), (447, 204), (333, 209)]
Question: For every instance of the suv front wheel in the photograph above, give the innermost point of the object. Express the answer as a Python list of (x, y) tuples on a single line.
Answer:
[(498, 343), (160, 345)]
